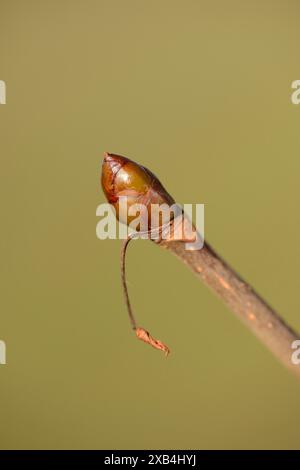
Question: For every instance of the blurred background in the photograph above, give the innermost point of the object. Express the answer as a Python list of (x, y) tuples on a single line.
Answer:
[(199, 92)]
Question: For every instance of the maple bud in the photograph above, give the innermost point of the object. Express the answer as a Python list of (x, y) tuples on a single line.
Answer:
[(123, 177)]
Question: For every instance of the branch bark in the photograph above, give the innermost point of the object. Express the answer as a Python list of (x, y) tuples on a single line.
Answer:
[(123, 177), (241, 298)]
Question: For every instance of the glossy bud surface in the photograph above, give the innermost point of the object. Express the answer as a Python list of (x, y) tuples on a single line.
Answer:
[(123, 177)]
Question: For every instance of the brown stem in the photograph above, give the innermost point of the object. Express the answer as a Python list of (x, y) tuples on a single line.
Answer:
[(141, 333), (240, 297), (124, 283)]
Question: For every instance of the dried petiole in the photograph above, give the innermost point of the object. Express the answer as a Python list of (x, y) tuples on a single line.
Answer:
[(141, 333)]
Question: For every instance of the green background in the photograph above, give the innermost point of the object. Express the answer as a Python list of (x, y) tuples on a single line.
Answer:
[(199, 92)]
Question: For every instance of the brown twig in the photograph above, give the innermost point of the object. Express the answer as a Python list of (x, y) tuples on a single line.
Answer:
[(239, 296), (123, 177)]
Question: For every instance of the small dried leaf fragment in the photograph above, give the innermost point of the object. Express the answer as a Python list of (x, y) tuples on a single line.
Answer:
[(155, 343)]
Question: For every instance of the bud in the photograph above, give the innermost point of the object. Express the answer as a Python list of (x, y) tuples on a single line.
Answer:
[(123, 177)]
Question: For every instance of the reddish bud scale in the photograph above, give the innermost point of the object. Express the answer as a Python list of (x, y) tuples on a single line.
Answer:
[(123, 177)]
